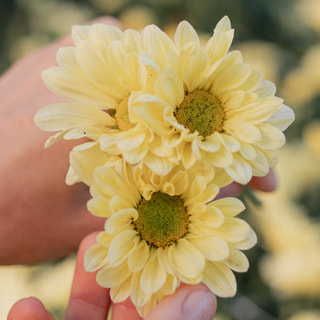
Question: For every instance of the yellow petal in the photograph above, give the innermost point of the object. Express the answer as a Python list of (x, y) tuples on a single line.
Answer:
[(272, 138), (62, 116), (121, 293), (260, 165), (160, 166), (197, 187), (131, 40), (212, 217), (157, 43), (208, 194), (248, 151), (169, 287), (76, 89), (164, 260), (266, 89), (220, 42), (211, 143), (231, 77), (153, 275), (121, 246), (237, 260), (152, 109), (247, 243), (104, 238), (99, 206), (129, 140), (229, 206), (253, 81), (242, 130), (85, 158), (258, 111), (109, 277), (95, 66), (282, 118), (219, 279), (143, 311), (100, 33), (222, 158), (138, 296), (180, 182), (66, 59), (188, 158), (213, 248), (139, 257), (95, 257), (195, 63), (79, 33), (118, 203), (72, 177), (121, 221), (187, 260), (234, 230), (185, 34), (169, 88), (229, 142)]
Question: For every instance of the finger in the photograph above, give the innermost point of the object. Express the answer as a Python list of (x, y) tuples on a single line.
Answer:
[(267, 183), (29, 309), (87, 299), (125, 310), (189, 302), (234, 189)]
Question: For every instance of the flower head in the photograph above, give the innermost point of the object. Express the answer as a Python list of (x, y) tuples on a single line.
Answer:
[(163, 231), (208, 104), (163, 102)]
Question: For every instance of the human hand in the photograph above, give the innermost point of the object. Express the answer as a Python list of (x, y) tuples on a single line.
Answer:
[(37, 209), (90, 301)]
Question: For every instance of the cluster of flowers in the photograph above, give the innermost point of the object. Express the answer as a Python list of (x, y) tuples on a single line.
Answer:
[(168, 123)]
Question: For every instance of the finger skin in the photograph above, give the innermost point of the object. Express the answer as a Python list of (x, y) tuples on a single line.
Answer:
[(88, 300), (29, 309), (267, 183), (183, 305), (125, 310)]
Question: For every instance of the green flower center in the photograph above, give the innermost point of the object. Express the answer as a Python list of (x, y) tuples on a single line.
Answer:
[(201, 111), (162, 220), (122, 116)]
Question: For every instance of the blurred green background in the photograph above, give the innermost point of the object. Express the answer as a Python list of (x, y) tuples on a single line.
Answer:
[(280, 37)]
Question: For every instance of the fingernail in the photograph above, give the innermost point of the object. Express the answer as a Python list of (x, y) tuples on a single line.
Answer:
[(199, 304)]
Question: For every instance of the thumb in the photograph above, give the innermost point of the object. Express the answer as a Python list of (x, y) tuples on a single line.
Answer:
[(187, 303), (29, 309)]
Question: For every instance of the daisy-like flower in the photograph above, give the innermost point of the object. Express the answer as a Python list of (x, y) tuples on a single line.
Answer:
[(208, 104), (147, 98), (97, 78), (164, 230)]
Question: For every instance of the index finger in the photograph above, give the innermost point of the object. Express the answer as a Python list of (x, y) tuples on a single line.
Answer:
[(88, 300)]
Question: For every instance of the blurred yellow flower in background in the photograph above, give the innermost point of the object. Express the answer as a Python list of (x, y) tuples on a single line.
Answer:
[(306, 315)]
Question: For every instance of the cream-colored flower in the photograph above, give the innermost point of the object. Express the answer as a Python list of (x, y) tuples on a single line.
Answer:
[(97, 77), (164, 230), (206, 103)]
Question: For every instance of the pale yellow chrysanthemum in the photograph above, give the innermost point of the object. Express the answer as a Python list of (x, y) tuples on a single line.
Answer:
[(206, 103), (97, 77), (164, 230)]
